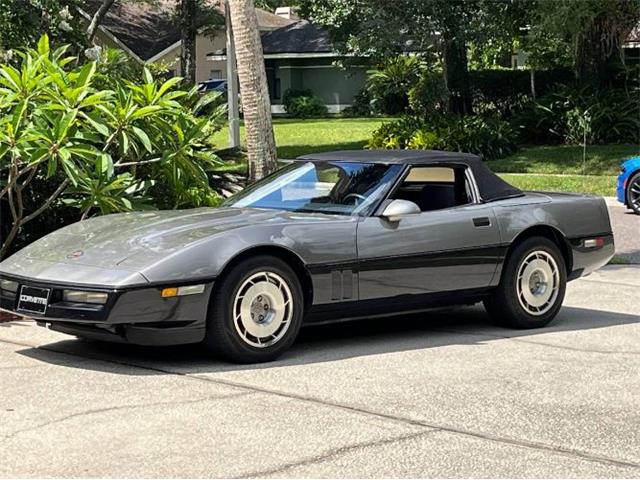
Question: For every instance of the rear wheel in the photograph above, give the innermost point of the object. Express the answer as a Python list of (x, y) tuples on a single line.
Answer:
[(633, 193), (255, 312), (532, 287)]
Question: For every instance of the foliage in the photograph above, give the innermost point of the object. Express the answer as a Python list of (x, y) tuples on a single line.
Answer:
[(489, 137), (506, 93), (361, 105), (594, 31), (379, 29), (608, 116), (22, 22), (303, 104), (389, 84), (136, 144)]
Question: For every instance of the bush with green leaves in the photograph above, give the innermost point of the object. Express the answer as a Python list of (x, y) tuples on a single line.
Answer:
[(360, 107), (303, 104), (67, 145), (571, 114), (490, 137), (389, 84)]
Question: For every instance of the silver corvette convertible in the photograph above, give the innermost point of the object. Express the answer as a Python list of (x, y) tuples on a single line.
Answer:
[(330, 236)]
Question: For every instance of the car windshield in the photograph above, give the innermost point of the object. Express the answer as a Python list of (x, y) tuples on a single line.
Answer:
[(342, 188)]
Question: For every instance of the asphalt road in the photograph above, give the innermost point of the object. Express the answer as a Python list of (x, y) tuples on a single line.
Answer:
[(626, 230), (441, 394)]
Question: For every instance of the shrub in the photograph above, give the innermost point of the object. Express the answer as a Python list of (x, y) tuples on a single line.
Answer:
[(361, 106), (506, 93), (609, 116), (429, 94), (70, 146), (306, 107), (490, 137), (303, 104), (389, 85)]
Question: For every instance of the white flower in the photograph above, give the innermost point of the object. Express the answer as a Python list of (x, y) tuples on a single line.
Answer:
[(93, 53), (64, 26), (65, 14)]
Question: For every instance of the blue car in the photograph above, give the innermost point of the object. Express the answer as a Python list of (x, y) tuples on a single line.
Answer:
[(629, 184)]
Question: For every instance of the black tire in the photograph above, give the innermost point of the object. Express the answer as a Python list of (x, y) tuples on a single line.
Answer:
[(505, 306), (224, 337), (633, 200)]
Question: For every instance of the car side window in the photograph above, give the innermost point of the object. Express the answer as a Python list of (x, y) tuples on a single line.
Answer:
[(435, 188)]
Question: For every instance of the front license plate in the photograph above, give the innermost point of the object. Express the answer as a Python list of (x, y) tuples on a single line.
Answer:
[(33, 299)]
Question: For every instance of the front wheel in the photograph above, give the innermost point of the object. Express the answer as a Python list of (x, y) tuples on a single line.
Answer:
[(256, 311), (532, 287), (633, 193)]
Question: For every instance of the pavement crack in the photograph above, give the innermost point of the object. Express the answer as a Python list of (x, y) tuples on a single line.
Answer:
[(333, 453), (115, 408), (535, 445)]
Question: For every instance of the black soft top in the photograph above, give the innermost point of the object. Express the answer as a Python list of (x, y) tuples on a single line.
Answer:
[(490, 185)]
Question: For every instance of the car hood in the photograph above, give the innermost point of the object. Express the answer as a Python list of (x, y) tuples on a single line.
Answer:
[(133, 240)]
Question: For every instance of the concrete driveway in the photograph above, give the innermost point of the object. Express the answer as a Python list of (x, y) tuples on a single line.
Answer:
[(441, 394)]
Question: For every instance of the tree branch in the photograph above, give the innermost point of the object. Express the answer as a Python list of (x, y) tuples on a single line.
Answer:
[(142, 162), (47, 203), (96, 20)]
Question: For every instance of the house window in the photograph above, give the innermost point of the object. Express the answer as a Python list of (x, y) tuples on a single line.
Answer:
[(215, 75)]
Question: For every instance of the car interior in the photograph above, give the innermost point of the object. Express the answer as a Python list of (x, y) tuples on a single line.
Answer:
[(435, 188)]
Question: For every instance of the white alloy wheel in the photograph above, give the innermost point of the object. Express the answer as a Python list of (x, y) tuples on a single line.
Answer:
[(263, 309), (538, 282)]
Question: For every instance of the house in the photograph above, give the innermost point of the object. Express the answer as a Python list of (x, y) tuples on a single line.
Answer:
[(297, 54), (148, 32), (300, 56)]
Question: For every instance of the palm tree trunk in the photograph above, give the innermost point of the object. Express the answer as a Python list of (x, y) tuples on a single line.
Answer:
[(188, 32), (254, 91), (96, 20)]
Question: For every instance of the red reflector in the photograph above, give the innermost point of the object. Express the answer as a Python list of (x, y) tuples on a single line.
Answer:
[(600, 242)]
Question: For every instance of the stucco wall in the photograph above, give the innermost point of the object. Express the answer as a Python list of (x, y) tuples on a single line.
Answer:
[(204, 67), (334, 85)]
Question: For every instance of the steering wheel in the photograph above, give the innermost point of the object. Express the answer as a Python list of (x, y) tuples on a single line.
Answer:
[(356, 196)]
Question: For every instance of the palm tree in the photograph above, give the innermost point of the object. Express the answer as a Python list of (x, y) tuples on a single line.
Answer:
[(254, 92)]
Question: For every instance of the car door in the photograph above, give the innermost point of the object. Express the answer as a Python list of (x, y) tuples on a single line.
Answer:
[(442, 250)]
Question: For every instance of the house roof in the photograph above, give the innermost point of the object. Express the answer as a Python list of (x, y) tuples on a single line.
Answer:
[(148, 29), (299, 37)]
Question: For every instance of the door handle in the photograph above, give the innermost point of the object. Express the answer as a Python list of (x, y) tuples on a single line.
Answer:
[(482, 222)]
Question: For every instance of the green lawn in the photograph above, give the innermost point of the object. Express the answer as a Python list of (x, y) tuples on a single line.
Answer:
[(297, 137), (594, 184), (562, 159), (553, 168)]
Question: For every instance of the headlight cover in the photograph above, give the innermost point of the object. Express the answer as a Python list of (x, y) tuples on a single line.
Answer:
[(80, 296), (9, 285)]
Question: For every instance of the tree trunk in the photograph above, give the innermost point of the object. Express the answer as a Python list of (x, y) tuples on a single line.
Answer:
[(254, 91), (456, 73), (97, 18), (532, 79), (188, 10)]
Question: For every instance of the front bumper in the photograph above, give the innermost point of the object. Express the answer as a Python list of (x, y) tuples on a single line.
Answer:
[(137, 315), (621, 190)]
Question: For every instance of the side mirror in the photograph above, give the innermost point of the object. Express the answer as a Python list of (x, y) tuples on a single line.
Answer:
[(400, 208)]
